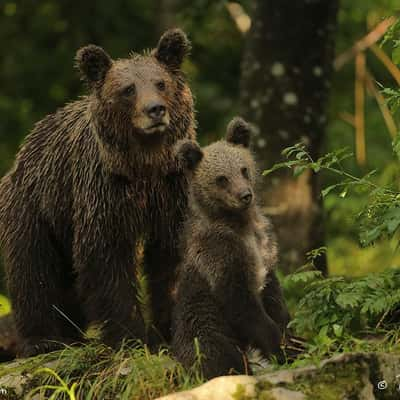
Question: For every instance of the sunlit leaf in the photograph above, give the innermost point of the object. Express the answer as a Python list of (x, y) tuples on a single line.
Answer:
[(396, 55)]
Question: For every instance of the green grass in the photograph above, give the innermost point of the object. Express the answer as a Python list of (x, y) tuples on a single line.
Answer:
[(95, 371)]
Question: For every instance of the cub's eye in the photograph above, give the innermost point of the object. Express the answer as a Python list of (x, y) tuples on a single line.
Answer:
[(222, 181), (245, 172), (129, 91), (160, 85)]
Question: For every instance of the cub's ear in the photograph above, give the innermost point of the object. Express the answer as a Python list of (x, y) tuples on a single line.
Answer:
[(239, 132), (93, 63), (189, 154), (172, 48)]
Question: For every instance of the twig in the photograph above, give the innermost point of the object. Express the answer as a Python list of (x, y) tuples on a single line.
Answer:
[(359, 108), (387, 62), (387, 116), (347, 117), (364, 43)]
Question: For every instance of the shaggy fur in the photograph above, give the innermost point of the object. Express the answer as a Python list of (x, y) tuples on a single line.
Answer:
[(227, 293), (88, 183)]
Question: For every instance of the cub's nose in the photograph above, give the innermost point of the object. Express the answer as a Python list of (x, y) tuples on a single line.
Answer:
[(246, 196), (155, 110)]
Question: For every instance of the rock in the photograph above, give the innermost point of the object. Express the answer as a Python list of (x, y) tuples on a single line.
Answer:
[(285, 394), (362, 376), (17, 376), (222, 388)]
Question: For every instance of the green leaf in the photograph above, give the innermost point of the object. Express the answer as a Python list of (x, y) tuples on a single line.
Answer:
[(396, 55), (327, 190), (301, 155), (287, 164), (306, 276), (316, 166), (337, 330), (298, 170), (392, 219), (370, 235), (346, 300), (396, 146)]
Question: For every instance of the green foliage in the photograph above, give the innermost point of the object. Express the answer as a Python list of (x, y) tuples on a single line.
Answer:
[(336, 313), (337, 306), (379, 218), (392, 97), (60, 389)]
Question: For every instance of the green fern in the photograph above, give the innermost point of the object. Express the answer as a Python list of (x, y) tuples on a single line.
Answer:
[(341, 305)]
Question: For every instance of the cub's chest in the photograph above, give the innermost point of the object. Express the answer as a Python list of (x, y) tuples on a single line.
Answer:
[(256, 269)]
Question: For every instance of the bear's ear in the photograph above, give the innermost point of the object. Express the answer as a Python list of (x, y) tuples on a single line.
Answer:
[(189, 154), (172, 48), (93, 63), (239, 132)]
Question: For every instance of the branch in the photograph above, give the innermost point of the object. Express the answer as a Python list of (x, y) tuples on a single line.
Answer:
[(364, 43)]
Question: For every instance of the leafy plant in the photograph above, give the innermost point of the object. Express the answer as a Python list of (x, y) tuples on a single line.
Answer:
[(337, 306), (381, 216), (337, 312)]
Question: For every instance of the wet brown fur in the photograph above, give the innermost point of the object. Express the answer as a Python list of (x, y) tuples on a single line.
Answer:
[(86, 185), (227, 293)]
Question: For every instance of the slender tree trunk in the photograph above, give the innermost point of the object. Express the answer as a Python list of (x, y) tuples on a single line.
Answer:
[(286, 77)]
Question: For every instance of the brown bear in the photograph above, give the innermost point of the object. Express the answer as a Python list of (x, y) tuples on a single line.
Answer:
[(90, 181), (227, 295)]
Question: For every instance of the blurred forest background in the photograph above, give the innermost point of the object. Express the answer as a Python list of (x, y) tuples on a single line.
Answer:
[(227, 72)]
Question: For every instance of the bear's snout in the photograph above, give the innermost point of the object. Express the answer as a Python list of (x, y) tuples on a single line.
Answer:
[(155, 117), (246, 196), (156, 111)]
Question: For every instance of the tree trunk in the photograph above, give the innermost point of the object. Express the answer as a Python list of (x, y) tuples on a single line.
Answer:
[(286, 76)]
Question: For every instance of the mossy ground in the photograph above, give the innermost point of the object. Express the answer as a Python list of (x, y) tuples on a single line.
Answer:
[(94, 371)]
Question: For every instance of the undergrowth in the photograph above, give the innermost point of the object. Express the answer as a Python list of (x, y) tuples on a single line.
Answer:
[(95, 371), (339, 314)]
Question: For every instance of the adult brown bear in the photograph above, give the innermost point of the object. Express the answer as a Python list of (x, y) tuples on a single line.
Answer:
[(88, 183)]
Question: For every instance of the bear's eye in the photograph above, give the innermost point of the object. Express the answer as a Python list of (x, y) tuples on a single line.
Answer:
[(160, 85), (129, 91), (221, 181), (245, 172)]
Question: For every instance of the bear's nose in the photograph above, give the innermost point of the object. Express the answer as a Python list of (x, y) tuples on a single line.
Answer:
[(246, 197), (155, 110)]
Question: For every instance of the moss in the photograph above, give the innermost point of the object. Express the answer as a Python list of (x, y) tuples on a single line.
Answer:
[(263, 391), (333, 382), (266, 395), (240, 393)]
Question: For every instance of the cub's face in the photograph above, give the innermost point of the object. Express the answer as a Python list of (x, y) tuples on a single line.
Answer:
[(224, 179), (141, 99)]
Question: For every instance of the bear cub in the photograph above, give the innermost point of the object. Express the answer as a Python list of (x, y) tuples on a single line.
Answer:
[(227, 296)]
